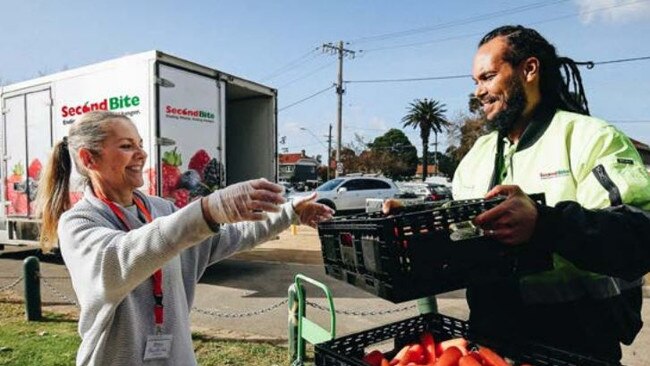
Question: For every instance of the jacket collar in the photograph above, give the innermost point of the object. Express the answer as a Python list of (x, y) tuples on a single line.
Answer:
[(536, 127)]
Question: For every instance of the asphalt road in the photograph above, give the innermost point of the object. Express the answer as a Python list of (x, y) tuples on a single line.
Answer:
[(236, 287)]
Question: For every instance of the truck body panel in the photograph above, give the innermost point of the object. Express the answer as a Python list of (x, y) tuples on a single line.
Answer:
[(179, 108)]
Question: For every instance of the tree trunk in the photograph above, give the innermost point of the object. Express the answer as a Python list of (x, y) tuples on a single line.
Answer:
[(436, 151), (425, 152)]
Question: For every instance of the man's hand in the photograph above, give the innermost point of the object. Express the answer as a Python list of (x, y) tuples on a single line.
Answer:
[(390, 206), (310, 212), (511, 222)]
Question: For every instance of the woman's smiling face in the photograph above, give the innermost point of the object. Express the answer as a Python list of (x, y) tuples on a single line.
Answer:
[(121, 160)]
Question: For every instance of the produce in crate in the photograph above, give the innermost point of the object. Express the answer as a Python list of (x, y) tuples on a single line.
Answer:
[(452, 352), (434, 332)]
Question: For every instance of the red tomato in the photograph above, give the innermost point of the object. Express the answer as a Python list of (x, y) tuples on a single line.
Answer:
[(415, 354), (426, 339), (491, 358), (461, 343), (468, 360), (450, 357), (373, 358), (400, 356)]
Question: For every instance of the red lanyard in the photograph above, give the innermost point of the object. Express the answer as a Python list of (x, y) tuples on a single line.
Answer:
[(157, 276)]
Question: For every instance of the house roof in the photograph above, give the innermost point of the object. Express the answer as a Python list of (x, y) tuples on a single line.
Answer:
[(296, 158), (290, 158)]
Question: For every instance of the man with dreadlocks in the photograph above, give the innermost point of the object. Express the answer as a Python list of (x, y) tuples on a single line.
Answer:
[(597, 191)]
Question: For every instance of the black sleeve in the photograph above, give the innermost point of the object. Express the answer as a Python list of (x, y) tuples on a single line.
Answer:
[(613, 241)]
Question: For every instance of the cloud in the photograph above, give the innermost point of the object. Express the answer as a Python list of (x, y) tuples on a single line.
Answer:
[(613, 11)]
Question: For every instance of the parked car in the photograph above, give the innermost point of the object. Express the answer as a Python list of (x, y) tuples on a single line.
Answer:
[(349, 194), (288, 188), (428, 191)]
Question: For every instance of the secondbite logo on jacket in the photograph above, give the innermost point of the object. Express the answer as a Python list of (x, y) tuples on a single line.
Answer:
[(555, 174)]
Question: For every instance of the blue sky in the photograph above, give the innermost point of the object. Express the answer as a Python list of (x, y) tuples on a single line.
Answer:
[(393, 39)]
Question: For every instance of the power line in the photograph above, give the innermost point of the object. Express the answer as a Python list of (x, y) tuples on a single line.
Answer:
[(454, 23), (622, 60), (290, 65), (447, 77), (588, 64), (320, 68), (306, 98), (421, 43), (451, 38)]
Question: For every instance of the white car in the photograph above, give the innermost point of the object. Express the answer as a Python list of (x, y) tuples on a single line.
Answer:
[(347, 194)]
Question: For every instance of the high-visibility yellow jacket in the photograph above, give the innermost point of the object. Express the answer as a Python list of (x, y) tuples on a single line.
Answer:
[(597, 190)]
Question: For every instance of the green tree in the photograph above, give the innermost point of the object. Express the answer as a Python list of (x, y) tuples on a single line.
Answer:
[(426, 115), (350, 161), (394, 155), (465, 129)]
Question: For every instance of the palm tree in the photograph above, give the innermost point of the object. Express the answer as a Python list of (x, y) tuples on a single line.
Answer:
[(427, 115)]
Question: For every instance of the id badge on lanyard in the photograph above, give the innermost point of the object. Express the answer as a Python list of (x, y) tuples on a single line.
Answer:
[(158, 345)]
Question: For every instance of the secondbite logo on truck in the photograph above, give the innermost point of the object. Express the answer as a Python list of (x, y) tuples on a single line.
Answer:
[(188, 114), (106, 104)]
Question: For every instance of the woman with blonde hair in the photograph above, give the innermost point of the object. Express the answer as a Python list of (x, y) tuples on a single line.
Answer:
[(135, 259)]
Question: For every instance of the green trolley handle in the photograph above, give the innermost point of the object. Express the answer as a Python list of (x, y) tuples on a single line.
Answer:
[(307, 329)]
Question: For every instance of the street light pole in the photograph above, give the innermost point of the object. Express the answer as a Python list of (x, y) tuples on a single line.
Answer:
[(329, 147)]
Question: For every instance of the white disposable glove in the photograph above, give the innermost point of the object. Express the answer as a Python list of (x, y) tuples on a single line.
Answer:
[(310, 212), (245, 201)]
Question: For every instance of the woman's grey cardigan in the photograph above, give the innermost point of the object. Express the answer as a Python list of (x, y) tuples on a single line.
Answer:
[(111, 270)]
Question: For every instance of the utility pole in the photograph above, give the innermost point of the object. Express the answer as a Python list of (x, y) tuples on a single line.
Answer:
[(341, 52), (329, 152)]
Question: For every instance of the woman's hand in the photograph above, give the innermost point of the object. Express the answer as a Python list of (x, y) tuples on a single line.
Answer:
[(511, 222), (245, 201), (310, 212)]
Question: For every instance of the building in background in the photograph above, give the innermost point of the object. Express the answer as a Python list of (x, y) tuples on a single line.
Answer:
[(298, 169), (432, 170)]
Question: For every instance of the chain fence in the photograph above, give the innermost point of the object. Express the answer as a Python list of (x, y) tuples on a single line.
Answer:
[(11, 285), (218, 313), (58, 293), (363, 313)]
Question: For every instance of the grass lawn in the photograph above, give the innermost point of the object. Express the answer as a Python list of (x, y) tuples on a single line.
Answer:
[(54, 341)]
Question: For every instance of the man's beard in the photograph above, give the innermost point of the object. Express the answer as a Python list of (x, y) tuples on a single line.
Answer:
[(515, 105)]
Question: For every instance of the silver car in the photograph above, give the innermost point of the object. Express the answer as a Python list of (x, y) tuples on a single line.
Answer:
[(349, 194)]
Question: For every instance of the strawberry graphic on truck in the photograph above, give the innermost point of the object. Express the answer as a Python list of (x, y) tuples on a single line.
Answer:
[(202, 129), (201, 178)]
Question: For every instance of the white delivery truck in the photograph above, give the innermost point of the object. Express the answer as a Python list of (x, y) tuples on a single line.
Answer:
[(202, 128)]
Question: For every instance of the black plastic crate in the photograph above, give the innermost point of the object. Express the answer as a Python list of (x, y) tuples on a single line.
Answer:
[(412, 254), (349, 350)]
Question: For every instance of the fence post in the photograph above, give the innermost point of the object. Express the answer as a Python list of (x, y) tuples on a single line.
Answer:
[(32, 280)]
